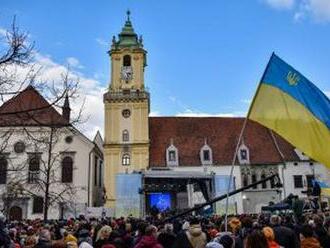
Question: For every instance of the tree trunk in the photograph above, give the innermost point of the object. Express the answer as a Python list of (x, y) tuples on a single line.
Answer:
[(48, 169)]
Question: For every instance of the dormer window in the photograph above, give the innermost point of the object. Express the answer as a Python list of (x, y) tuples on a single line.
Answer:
[(172, 157), (243, 154), (206, 155)]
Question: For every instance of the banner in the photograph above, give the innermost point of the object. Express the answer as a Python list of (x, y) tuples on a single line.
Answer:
[(221, 186), (127, 192)]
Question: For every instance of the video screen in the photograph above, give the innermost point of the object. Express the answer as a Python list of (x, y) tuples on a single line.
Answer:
[(160, 200)]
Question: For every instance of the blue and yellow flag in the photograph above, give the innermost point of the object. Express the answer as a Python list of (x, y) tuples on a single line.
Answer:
[(325, 188), (293, 107)]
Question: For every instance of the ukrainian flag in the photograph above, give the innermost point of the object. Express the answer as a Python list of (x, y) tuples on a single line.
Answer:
[(325, 189), (296, 109)]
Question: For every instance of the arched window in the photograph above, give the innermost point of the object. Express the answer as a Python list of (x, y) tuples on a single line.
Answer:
[(127, 60), (172, 156), (3, 170), (126, 159), (125, 136), (254, 179), (34, 167), (67, 170)]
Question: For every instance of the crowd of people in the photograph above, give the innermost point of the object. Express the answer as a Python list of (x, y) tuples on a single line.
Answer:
[(244, 231)]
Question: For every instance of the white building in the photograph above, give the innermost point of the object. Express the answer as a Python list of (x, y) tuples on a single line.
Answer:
[(73, 171)]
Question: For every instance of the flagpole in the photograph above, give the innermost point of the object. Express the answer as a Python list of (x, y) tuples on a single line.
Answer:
[(239, 141)]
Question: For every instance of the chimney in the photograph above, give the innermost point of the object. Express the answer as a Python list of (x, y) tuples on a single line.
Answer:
[(66, 109)]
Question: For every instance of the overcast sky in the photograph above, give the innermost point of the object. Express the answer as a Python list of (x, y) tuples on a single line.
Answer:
[(204, 57)]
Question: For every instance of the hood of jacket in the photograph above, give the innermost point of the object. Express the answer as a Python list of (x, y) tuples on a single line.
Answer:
[(195, 230)]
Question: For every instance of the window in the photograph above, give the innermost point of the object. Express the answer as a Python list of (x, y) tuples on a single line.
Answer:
[(244, 154), (38, 205), (126, 159), (298, 182), (264, 184), (171, 156), (254, 179), (125, 136), (34, 167), (67, 170), (95, 170), (19, 147), (126, 113), (309, 179), (127, 60), (272, 183), (206, 155), (3, 170), (245, 180)]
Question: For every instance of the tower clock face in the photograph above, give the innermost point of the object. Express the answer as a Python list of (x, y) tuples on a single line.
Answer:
[(126, 73)]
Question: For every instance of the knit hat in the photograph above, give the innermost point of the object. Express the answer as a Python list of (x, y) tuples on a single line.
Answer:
[(213, 245), (70, 238), (226, 241), (269, 233)]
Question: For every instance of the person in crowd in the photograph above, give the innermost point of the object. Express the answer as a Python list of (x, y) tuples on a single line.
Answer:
[(102, 237), (167, 237), (256, 239), (307, 239), (44, 239), (284, 236), (194, 237), (149, 240), (270, 236)]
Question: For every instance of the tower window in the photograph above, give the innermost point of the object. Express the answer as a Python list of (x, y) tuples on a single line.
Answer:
[(126, 159), (127, 60), (125, 136)]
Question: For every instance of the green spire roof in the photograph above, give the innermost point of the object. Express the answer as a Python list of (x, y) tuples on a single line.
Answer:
[(127, 36)]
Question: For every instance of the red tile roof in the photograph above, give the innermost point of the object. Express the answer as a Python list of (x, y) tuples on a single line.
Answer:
[(29, 108), (189, 133)]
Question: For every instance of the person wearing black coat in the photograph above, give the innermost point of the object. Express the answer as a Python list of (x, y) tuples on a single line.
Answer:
[(284, 236)]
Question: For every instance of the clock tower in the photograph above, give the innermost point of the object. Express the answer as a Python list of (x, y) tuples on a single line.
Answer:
[(126, 130)]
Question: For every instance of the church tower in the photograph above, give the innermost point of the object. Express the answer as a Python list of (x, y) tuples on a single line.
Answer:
[(126, 142)]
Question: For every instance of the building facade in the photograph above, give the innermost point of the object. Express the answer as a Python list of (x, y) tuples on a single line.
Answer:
[(41, 151), (186, 159)]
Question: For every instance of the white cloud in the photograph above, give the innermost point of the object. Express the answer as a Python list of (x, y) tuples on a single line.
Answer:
[(190, 113), (3, 32), (102, 42), (74, 62), (281, 4), (320, 9)]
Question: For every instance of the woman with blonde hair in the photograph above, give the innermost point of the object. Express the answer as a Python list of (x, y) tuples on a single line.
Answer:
[(270, 236), (102, 237)]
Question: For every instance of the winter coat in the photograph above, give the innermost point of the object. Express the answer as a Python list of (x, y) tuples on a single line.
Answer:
[(285, 237), (43, 244), (166, 239), (148, 241), (193, 238), (273, 244), (310, 243)]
